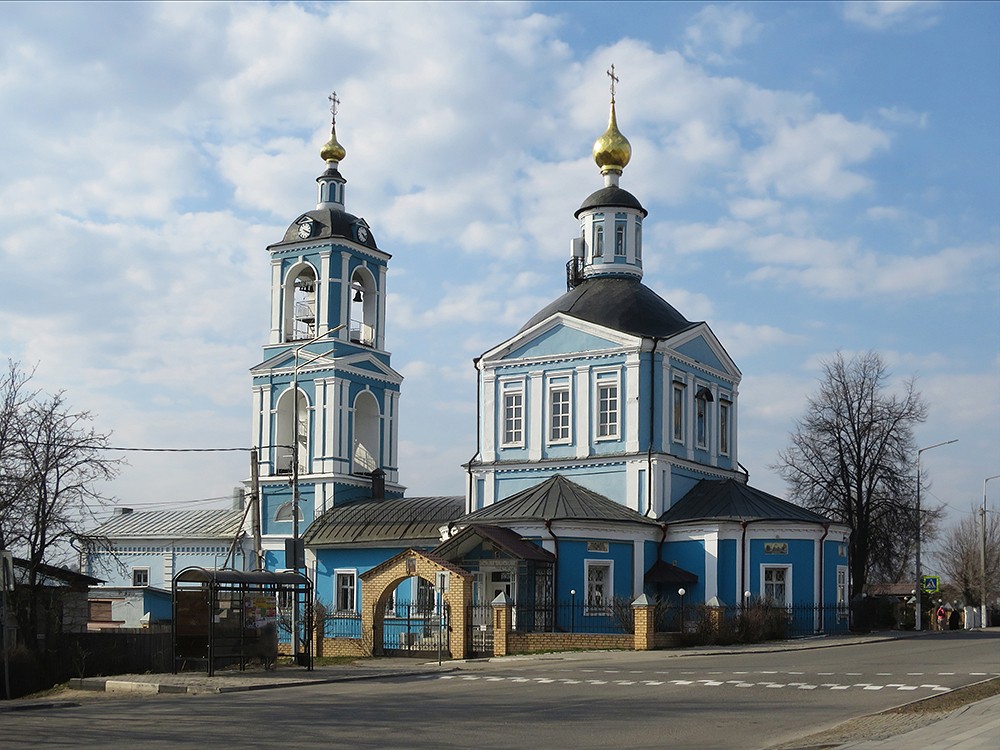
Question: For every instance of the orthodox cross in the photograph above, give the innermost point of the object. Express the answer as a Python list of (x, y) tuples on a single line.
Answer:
[(614, 80), (334, 102)]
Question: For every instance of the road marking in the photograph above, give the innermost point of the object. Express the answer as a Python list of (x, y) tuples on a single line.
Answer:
[(807, 687), (874, 687)]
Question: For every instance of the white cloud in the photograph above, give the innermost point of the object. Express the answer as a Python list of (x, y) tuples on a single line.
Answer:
[(882, 15), (904, 116), (717, 32), (814, 158)]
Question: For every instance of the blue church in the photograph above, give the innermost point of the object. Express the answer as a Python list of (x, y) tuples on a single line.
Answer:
[(607, 463)]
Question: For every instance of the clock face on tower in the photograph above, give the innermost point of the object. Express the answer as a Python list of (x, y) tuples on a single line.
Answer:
[(305, 229), (362, 234)]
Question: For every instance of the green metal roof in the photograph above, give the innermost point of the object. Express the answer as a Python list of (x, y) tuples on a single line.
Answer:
[(730, 500), (378, 523)]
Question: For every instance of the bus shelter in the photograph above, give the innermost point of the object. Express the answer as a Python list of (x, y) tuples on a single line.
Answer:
[(228, 617)]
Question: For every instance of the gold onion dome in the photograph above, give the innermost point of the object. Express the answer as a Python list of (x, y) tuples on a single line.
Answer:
[(332, 150), (612, 150)]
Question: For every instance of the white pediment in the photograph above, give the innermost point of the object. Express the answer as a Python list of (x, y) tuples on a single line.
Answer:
[(561, 335)]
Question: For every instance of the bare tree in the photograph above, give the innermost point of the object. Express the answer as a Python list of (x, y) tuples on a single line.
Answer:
[(959, 557), (851, 459), (51, 462)]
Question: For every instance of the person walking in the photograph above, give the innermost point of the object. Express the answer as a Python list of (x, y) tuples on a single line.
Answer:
[(941, 617)]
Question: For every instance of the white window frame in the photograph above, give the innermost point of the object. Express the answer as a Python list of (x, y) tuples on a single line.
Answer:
[(725, 420), (621, 230), (787, 583), (512, 436), (589, 608), (605, 380), (701, 410), (598, 234), (145, 574), (347, 574), (677, 412), (283, 513), (638, 240), (559, 397)]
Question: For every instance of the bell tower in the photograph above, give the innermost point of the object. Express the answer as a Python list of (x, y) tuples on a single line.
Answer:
[(325, 397)]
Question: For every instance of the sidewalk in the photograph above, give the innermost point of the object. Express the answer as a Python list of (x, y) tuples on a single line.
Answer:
[(972, 727)]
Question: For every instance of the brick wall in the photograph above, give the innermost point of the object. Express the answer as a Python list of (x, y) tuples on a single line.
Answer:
[(525, 643), (340, 647)]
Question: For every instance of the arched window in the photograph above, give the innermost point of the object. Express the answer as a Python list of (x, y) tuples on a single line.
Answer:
[(364, 307), (285, 434), (365, 456), (300, 304), (284, 512)]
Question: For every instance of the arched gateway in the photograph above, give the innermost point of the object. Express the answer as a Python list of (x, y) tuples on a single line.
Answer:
[(379, 583)]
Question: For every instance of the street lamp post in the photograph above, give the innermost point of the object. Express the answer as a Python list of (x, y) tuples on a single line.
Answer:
[(982, 556), (297, 560), (920, 588)]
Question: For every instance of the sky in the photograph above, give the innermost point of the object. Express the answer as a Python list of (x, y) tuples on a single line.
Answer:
[(820, 177)]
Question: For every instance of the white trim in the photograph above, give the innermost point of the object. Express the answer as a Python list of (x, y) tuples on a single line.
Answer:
[(609, 586), (787, 567), (337, 572)]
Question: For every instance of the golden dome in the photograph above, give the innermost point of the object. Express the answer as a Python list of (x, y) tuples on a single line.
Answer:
[(332, 150), (612, 150)]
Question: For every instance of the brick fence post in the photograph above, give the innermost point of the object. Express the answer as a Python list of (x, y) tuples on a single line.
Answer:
[(502, 623), (645, 626)]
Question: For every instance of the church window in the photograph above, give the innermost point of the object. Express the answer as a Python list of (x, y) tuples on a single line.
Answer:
[(284, 512), (678, 412), (776, 584), (288, 435), (300, 305), (363, 308), (701, 401), (345, 586), (607, 405), (365, 456), (638, 240), (620, 235), (140, 576), (724, 427), (600, 587), (513, 414), (560, 410), (598, 235)]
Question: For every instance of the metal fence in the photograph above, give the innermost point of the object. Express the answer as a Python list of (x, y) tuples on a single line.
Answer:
[(407, 627)]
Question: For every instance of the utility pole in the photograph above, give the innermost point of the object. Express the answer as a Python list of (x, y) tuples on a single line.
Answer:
[(258, 564), (920, 582), (982, 556)]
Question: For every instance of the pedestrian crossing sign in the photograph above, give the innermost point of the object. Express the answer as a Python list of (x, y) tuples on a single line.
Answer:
[(930, 584)]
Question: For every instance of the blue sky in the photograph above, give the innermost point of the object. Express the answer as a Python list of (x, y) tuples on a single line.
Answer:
[(819, 177)]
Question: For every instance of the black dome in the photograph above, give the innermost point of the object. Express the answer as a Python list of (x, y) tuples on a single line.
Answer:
[(621, 303), (612, 197), (330, 222)]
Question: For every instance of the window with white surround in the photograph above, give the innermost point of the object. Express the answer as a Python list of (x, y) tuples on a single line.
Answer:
[(638, 240), (607, 405), (678, 412), (560, 410), (724, 407), (513, 413), (776, 584), (598, 235), (284, 512), (600, 586), (701, 401), (140, 576), (344, 590), (620, 227)]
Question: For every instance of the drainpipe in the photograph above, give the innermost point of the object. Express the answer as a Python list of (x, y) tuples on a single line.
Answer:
[(652, 423), (743, 562), (555, 570), (822, 572), (479, 419)]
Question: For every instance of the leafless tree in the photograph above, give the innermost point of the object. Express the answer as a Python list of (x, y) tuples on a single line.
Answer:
[(851, 459), (51, 464), (959, 555)]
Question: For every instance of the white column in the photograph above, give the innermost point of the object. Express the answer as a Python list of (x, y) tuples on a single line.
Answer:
[(638, 566), (380, 323), (345, 292), (490, 417), (276, 290), (536, 423), (323, 295), (712, 565), (583, 416), (631, 390)]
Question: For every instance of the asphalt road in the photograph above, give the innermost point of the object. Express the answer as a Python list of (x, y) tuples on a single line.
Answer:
[(580, 700)]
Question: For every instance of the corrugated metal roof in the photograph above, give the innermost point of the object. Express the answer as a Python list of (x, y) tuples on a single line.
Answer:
[(470, 537), (164, 524), (556, 498), (730, 500), (411, 520)]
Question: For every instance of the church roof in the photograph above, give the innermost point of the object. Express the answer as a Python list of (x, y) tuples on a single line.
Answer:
[(730, 500), (330, 223), (168, 524), (378, 523), (513, 543), (620, 303), (611, 196), (554, 499)]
